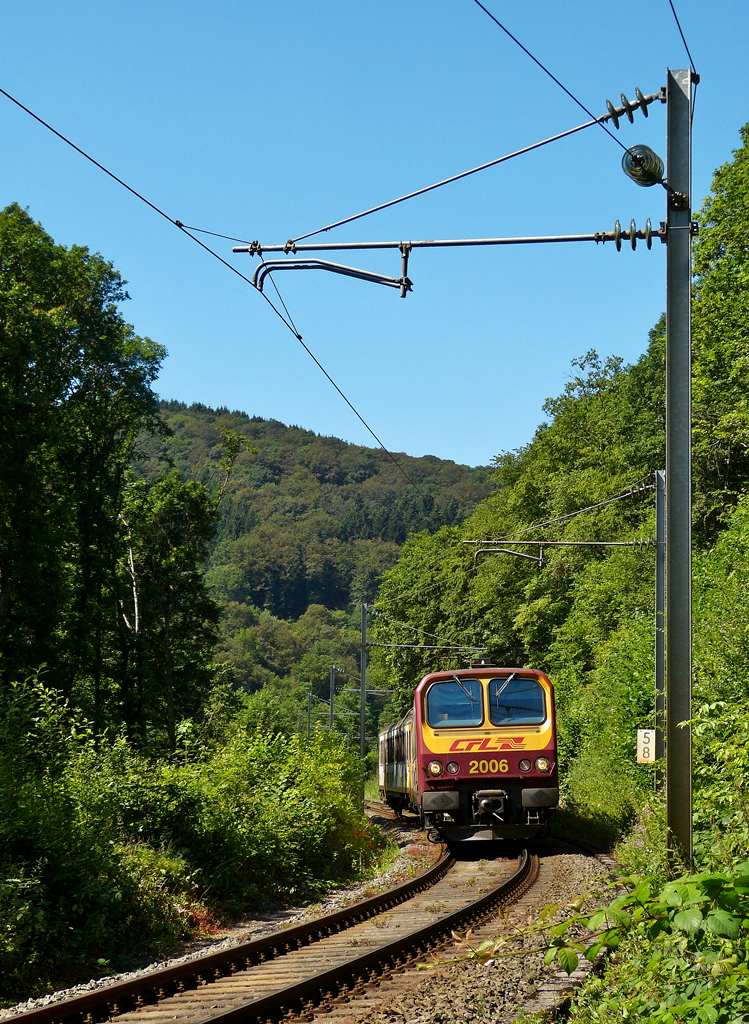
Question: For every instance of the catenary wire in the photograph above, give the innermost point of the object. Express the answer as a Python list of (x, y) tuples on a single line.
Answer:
[(187, 231), (681, 33), (408, 625), (428, 647), (635, 489), (439, 184), (423, 590), (546, 71)]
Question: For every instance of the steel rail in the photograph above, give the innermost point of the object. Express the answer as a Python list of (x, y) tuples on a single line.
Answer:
[(112, 1000), (336, 983)]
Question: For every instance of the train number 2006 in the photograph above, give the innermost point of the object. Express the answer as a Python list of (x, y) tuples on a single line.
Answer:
[(492, 767)]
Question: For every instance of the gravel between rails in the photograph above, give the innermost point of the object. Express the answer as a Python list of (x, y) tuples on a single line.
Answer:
[(414, 856), (465, 992)]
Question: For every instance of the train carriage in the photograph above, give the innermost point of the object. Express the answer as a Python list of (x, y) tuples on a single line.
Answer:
[(475, 757)]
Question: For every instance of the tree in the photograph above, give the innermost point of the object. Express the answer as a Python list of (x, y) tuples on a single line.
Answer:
[(721, 344), (167, 618), (75, 395)]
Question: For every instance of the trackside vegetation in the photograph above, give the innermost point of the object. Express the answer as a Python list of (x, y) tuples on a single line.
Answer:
[(106, 851), (146, 792), (678, 949)]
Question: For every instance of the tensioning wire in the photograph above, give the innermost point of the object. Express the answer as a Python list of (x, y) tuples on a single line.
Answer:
[(186, 231), (546, 71), (217, 234), (439, 184), (635, 489), (408, 625)]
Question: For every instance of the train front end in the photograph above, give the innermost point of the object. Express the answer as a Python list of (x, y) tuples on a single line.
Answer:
[(486, 759)]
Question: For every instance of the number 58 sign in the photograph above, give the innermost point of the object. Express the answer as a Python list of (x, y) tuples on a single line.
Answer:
[(645, 746)]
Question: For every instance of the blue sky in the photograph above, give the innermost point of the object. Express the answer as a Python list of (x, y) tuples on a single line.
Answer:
[(269, 120)]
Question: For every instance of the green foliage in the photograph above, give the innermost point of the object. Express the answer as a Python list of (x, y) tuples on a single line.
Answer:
[(682, 951), (76, 395), (104, 850), (166, 617), (721, 343), (70, 898), (722, 783)]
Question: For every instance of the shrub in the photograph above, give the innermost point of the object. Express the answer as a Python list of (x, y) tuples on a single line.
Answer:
[(104, 851)]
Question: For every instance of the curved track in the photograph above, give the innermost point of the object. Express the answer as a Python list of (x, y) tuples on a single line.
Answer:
[(313, 965)]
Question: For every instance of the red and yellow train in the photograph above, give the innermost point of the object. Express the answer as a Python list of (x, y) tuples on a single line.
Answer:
[(475, 757)]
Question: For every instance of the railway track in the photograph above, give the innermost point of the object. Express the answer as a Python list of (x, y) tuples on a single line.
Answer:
[(312, 967)]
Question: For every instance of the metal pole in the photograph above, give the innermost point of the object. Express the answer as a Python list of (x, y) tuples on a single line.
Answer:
[(450, 243), (678, 467), (660, 606), (363, 711), (332, 692), (309, 714)]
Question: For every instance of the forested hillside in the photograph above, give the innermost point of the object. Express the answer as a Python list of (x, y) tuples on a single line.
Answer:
[(587, 616), (304, 522)]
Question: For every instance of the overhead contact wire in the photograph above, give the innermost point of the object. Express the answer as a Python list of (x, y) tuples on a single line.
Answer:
[(428, 647), (549, 73), (187, 231), (431, 586), (414, 629), (343, 396), (636, 489)]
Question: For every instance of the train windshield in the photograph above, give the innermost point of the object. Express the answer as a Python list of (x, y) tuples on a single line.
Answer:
[(455, 702), (516, 700)]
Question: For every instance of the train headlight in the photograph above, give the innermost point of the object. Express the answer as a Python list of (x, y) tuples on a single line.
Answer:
[(524, 765), (434, 768), (453, 767), (543, 764)]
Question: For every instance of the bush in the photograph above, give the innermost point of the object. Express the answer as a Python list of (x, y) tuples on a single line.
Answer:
[(105, 851), (683, 952)]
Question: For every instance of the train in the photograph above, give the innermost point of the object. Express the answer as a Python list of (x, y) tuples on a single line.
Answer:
[(475, 756)]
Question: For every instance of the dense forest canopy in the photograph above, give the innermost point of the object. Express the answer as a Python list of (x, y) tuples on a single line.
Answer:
[(306, 526)]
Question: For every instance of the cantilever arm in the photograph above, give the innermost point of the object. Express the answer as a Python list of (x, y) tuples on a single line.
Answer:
[(265, 268)]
